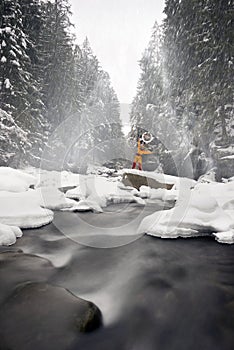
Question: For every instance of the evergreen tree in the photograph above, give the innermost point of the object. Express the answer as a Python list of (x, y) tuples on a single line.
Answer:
[(198, 41), (46, 81), (14, 74), (150, 109), (56, 61), (19, 89), (13, 140), (150, 86), (101, 137)]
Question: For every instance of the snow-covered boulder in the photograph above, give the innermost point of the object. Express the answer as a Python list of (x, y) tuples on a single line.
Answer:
[(78, 193), (225, 237), (13, 180), (52, 198), (137, 178), (23, 210), (196, 214), (8, 234), (222, 192)]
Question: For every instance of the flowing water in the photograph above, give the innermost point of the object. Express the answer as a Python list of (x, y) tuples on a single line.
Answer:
[(153, 293)]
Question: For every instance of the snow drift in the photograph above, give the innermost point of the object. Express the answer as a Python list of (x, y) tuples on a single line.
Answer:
[(206, 209), (15, 180), (23, 210)]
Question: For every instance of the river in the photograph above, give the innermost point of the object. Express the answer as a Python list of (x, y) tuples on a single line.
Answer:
[(153, 293)]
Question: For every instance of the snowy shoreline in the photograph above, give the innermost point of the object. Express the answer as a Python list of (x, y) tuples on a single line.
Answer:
[(28, 198)]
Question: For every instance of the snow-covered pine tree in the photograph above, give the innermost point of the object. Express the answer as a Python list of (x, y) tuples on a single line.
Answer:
[(56, 61), (216, 68), (150, 108), (99, 128), (32, 21), (13, 140), (18, 90), (198, 38), (104, 109), (14, 75), (78, 90), (90, 68), (148, 101)]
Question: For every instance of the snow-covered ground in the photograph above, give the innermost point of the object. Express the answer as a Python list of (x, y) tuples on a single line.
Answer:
[(28, 197)]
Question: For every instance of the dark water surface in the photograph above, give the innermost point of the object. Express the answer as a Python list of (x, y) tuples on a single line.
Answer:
[(153, 293)]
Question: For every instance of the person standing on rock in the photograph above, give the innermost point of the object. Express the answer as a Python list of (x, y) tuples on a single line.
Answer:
[(141, 149)]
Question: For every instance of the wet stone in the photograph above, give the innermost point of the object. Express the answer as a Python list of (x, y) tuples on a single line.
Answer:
[(40, 316)]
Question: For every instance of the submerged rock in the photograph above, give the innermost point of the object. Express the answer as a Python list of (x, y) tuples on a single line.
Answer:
[(41, 316)]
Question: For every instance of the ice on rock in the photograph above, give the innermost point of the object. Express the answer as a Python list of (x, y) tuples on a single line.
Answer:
[(8, 234)]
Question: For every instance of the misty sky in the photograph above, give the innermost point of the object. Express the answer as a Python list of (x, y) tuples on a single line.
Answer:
[(119, 31)]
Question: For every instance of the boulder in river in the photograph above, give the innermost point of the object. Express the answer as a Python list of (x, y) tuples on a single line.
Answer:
[(137, 180), (44, 317)]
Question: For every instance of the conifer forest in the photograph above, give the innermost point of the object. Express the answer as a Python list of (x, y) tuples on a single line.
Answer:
[(55, 98)]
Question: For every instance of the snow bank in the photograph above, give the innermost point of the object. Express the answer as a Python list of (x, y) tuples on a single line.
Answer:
[(206, 209), (8, 234), (23, 210), (15, 180)]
